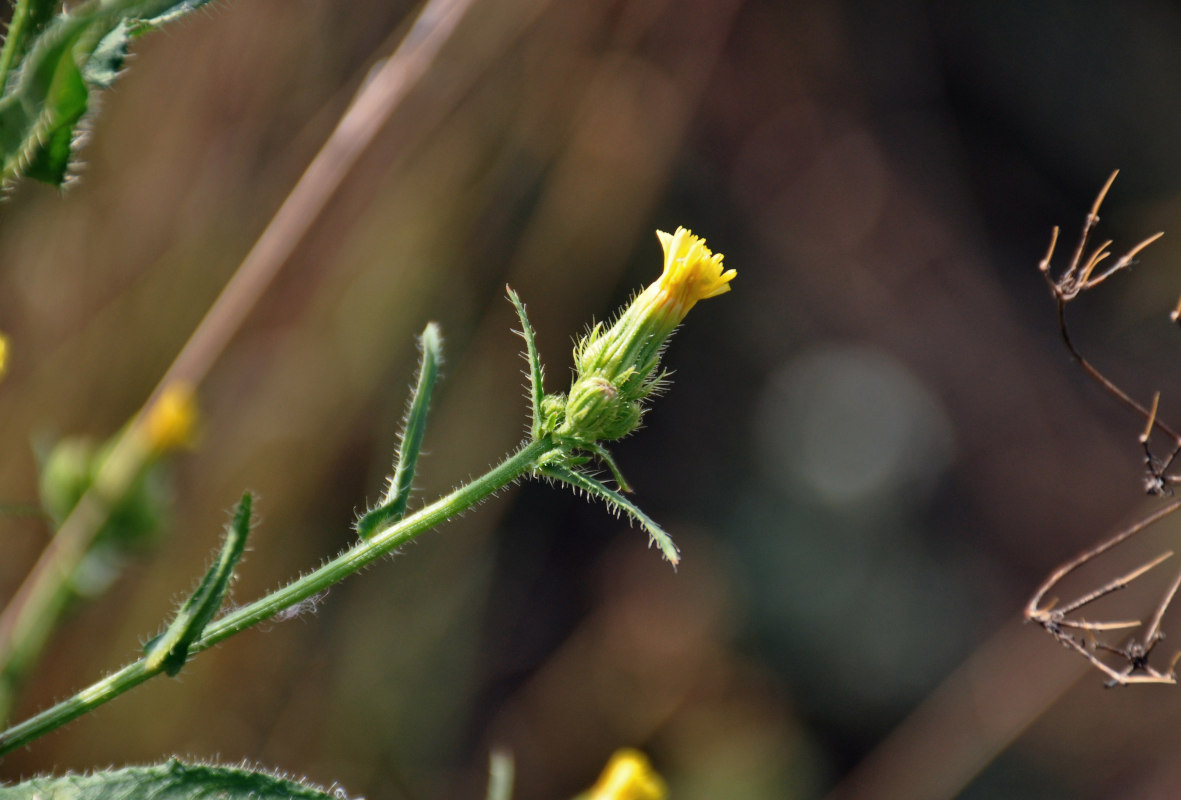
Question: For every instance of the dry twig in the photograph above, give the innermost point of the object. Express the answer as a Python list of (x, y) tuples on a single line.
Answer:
[(1128, 663)]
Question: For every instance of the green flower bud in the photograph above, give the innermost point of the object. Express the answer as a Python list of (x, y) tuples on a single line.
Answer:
[(617, 368), (597, 411)]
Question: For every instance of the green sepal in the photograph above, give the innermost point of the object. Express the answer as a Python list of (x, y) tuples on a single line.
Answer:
[(616, 502), (170, 649), (553, 413), (392, 507)]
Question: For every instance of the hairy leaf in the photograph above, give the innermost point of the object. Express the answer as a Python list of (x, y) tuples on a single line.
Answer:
[(392, 506), (68, 58), (171, 781), (171, 648), (619, 504)]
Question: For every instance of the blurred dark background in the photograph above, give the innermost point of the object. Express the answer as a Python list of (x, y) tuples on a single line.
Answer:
[(874, 448)]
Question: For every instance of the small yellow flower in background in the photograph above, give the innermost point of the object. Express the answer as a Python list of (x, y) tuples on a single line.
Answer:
[(617, 367), (171, 422), (3, 354), (628, 776)]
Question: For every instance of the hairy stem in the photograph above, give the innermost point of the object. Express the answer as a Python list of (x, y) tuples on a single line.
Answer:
[(520, 464)]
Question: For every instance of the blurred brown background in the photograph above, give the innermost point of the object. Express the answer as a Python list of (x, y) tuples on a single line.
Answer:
[(874, 448)]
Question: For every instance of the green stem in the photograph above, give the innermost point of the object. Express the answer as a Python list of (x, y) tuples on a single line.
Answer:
[(520, 464), (31, 613), (28, 17), (21, 659)]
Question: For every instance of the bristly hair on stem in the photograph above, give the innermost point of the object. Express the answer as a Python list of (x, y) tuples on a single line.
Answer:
[(1126, 663)]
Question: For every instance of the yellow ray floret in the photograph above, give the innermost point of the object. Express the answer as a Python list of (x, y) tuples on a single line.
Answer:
[(691, 272), (629, 776)]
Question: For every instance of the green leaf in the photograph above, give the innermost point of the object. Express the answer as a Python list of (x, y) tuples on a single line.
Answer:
[(536, 370), (15, 123), (71, 55), (171, 648), (164, 13), (37, 118), (617, 503), (605, 456), (108, 58), (171, 781), (65, 104), (392, 506)]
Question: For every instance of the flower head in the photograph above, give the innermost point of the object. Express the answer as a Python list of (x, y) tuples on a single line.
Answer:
[(171, 422), (691, 273), (3, 354), (628, 776), (618, 367)]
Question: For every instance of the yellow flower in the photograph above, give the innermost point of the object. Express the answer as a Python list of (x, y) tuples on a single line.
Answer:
[(691, 273), (628, 776), (3, 354), (171, 422), (618, 367)]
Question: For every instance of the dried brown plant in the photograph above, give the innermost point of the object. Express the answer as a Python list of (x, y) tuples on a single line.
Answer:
[(1127, 662)]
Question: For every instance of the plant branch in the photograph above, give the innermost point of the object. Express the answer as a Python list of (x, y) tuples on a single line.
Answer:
[(1107, 384), (1077, 278), (31, 609), (520, 464), (1076, 633), (1034, 611)]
